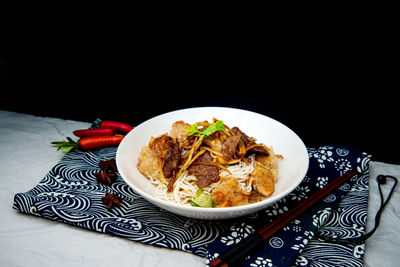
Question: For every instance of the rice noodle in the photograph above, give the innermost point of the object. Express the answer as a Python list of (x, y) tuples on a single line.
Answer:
[(185, 186)]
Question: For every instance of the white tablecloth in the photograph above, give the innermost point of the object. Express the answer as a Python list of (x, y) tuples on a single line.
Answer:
[(25, 158)]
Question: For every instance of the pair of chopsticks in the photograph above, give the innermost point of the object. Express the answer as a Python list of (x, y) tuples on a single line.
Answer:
[(236, 254)]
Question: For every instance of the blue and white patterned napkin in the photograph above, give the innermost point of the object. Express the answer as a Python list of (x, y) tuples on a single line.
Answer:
[(69, 193)]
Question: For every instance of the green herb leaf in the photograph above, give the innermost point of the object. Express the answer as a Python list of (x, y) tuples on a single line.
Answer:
[(191, 130), (67, 146), (202, 200), (214, 127)]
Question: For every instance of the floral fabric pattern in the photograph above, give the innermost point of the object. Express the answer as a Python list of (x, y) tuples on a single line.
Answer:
[(70, 193)]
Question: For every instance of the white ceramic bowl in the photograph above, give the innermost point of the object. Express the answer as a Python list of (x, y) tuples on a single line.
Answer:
[(292, 168)]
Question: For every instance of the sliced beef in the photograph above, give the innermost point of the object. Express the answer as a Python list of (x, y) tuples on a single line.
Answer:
[(229, 147), (168, 150), (260, 149), (172, 158), (205, 174), (245, 139), (203, 158)]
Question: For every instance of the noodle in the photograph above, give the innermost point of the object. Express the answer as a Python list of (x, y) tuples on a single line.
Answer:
[(185, 186)]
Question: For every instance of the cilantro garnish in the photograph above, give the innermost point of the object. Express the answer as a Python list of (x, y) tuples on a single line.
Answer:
[(214, 127)]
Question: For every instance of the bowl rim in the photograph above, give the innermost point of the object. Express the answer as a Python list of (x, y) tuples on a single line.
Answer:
[(253, 206)]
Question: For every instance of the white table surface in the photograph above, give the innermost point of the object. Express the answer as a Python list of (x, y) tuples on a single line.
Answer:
[(25, 158)]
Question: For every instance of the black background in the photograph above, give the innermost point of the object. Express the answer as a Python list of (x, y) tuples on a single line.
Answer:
[(329, 91)]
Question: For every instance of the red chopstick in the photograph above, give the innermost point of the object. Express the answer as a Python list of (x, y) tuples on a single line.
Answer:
[(258, 238)]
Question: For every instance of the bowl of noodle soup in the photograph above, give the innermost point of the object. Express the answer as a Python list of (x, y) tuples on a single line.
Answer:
[(291, 169)]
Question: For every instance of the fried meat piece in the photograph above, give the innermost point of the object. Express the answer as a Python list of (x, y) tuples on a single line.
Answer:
[(149, 163), (263, 179), (160, 145), (269, 160), (214, 142), (228, 193), (178, 131)]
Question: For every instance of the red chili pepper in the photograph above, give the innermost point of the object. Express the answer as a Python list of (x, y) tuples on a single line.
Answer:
[(88, 143), (92, 142), (94, 132), (119, 126)]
